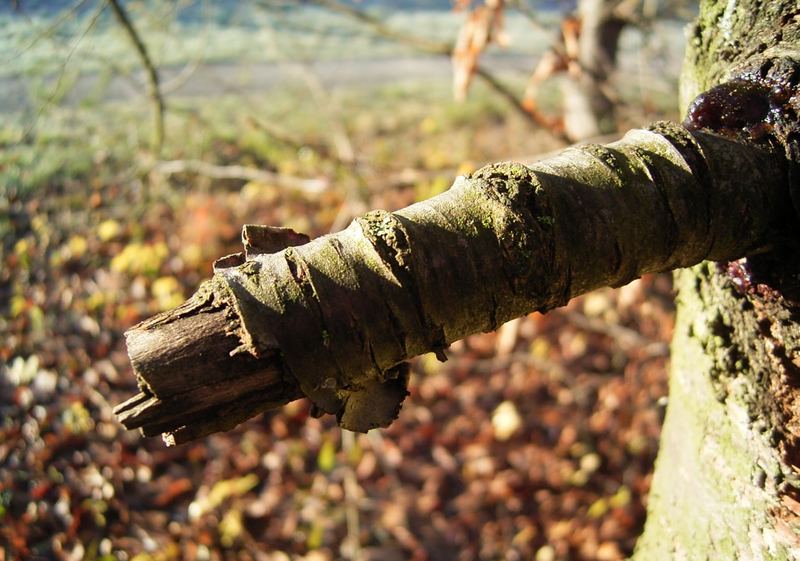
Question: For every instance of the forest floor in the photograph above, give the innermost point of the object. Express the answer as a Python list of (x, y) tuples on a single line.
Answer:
[(534, 442)]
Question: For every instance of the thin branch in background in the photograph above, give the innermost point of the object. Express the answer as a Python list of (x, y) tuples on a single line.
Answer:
[(154, 90), (525, 9), (381, 29), (66, 15), (340, 138), (320, 150), (343, 149), (351, 498), (191, 67), (281, 136), (309, 186), (502, 90), (424, 45), (625, 338), (342, 153), (183, 76), (62, 71)]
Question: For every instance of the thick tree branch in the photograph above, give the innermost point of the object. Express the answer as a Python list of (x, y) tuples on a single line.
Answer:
[(335, 318)]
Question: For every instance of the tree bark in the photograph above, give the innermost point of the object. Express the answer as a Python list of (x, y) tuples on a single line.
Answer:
[(337, 316), (726, 482)]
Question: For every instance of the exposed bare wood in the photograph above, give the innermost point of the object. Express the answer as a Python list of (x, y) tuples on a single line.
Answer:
[(189, 372)]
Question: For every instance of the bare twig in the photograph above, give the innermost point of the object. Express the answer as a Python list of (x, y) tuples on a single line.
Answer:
[(68, 14), (380, 28), (340, 138), (183, 76), (509, 96), (427, 46), (351, 494), (73, 48), (343, 148), (525, 9), (626, 338), (290, 140), (154, 90), (342, 153), (171, 167), (191, 67)]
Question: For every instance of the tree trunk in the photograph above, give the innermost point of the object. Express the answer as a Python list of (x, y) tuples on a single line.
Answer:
[(588, 109), (726, 481)]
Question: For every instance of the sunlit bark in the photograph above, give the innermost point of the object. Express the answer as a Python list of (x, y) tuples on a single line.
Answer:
[(726, 482), (335, 318)]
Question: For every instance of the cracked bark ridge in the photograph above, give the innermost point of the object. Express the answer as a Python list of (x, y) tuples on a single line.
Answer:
[(335, 318)]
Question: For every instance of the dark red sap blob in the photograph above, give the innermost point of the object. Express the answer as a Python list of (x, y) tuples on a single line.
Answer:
[(734, 105)]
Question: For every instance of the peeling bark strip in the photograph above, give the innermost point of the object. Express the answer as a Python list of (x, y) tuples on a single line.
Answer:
[(335, 318)]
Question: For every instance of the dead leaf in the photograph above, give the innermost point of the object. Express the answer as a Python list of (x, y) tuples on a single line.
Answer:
[(483, 26)]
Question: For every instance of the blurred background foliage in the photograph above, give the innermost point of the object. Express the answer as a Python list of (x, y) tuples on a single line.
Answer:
[(535, 442)]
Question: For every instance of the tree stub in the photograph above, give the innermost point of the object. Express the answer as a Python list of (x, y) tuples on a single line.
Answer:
[(334, 319)]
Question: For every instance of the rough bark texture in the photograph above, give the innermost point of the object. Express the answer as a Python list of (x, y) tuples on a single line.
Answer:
[(337, 316), (726, 483)]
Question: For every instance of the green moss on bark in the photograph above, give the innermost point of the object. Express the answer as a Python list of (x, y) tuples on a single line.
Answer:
[(719, 474), (345, 309), (730, 35), (725, 461)]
